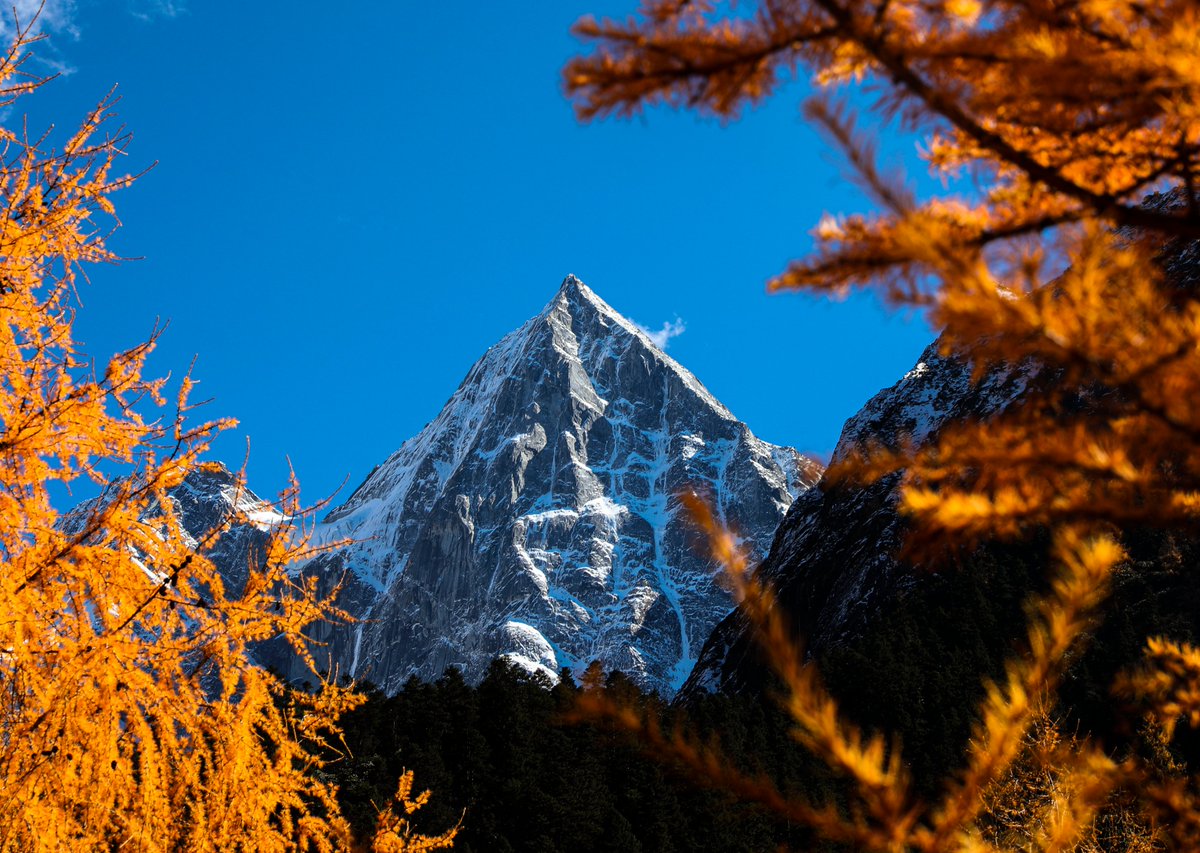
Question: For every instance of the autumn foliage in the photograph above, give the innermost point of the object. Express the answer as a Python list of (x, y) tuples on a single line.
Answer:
[(1052, 123), (131, 714), (396, 834)]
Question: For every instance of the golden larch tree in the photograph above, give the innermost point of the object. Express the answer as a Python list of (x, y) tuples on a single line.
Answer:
[(1052, 123), (131, 714)]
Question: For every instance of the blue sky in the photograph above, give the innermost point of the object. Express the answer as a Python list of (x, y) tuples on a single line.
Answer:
[(351, 203)]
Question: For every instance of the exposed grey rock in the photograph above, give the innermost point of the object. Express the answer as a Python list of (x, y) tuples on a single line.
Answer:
[(537, 516)]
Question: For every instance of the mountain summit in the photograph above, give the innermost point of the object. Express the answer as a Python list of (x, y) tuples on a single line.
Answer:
[(536, 518)]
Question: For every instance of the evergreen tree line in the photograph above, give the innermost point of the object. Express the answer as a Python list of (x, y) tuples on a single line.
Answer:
[(503, 757), (506, 759)]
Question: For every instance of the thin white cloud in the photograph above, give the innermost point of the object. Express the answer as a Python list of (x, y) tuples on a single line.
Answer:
[(662, 337), (57, 19), (148, 10), (55, 16)]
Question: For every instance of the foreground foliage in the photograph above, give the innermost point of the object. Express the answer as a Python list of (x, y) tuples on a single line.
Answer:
[(131, 715), (1064, 115)]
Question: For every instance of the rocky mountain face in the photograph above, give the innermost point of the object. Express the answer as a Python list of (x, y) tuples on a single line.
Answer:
[(210, 496), (833, 562), (536, 516)]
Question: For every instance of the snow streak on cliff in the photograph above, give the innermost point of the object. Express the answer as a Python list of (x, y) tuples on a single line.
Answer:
[(536, 517)]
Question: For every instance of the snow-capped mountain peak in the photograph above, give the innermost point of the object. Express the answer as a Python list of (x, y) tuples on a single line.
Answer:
[(536, 516)]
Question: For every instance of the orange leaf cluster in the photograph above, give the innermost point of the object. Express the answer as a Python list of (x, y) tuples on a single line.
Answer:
[(131, 712), (395, 833)]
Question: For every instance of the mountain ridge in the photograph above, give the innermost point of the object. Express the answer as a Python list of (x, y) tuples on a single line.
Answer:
[(535, 517)]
